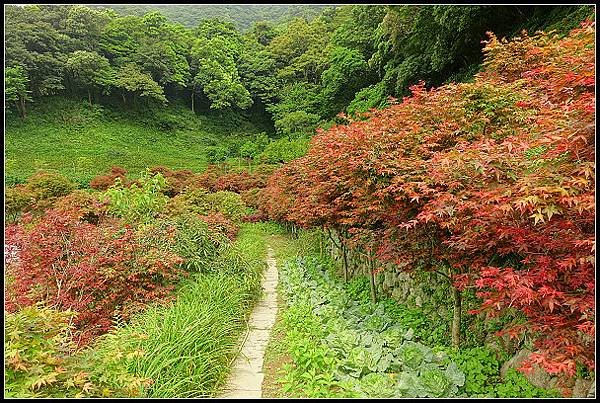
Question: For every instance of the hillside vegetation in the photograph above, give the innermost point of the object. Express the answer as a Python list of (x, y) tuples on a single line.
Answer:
[(423, 175), (82, 141)]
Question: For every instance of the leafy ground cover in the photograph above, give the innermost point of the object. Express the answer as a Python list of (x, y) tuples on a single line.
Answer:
[(342, 347), (332, 341)]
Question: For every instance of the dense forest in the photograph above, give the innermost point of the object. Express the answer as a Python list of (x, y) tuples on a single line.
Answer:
[(300, 74), (373, 201)]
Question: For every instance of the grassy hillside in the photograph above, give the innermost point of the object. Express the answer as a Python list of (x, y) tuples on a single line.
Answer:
[(80, 141)]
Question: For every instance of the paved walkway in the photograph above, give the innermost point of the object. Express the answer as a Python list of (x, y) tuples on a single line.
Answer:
[(246, 375)]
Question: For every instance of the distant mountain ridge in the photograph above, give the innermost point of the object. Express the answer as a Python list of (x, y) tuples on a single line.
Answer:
[(243, 15)]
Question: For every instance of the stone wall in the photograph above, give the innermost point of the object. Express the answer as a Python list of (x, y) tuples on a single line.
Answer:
[(402, 286)]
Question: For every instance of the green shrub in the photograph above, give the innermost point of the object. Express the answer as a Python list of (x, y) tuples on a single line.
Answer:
[(481, 368), (252, 148), (217, 154), (12, 180), (17, 199), (190, 201), (196, 243), (284, 150), (39, 192), (189, 345), (359, 289), (516, 385), (137, 203), (374, 96), (296, 124), (229, 204), (49, 185), (39, 360), (36, 343)]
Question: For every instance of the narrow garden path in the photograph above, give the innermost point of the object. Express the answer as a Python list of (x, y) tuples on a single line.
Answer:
[(246, 375)]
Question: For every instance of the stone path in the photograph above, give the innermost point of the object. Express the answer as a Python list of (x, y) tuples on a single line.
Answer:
[(246, 375)]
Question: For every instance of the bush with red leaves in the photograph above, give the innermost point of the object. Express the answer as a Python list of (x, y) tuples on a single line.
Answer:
[(218, 178), (103, 182), (493, 180), (96, 270), (217, 222), (177, 181)]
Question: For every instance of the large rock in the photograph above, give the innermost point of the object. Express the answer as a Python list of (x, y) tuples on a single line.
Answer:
[(584, 387), (389, 279), (537, 377), (502, 344), (592, 391), (397, 294)]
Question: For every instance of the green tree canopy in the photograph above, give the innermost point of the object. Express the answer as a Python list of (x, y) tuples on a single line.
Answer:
[(214, 63), (15, 88), (131, 79), (90, 71), (348, 72)]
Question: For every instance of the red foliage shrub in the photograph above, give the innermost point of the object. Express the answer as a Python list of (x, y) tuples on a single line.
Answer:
[(83, 205), (218, 178), (207, 179), (96, 270), (493, 180), (103, 182), (255, 217), (217, 222), (177, 181), (240, 181), (251, 197)]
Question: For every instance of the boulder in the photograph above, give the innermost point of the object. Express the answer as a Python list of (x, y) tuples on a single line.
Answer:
[(502, 344), (583, 387), (537, 377)]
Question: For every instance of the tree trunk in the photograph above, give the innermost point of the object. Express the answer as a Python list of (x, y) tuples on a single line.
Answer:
[(456, 318), (371, 266), (19, 108), (90, 97), (321, 246), (345, 262), (22, 111), (193, 94), (123, 96)]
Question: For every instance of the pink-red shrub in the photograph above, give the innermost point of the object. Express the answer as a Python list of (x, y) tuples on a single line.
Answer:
[(98, 271)]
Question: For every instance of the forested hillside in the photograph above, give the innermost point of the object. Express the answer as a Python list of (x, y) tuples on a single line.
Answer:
[(373, 201), (243, 16), (299, 74)]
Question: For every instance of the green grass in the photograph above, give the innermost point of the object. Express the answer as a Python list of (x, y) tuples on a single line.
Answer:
[(80, 141)]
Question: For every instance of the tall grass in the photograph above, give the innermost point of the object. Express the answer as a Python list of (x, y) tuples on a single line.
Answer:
[(187, 346)]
